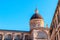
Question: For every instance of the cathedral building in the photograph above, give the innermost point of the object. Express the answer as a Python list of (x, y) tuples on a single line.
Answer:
[(37, 29)]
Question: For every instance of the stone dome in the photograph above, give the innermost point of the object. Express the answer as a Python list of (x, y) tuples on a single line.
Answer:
[(36, 21)]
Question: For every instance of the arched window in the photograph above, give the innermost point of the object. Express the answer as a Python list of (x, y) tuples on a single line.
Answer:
[(1, 36), (42, 35), (8, 37), (27, 37), (18, 37)]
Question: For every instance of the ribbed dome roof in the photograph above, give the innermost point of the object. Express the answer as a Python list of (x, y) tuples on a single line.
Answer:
[(36, 15)]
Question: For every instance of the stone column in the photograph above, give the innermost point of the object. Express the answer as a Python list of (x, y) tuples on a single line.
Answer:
[(3, 37), (23, 37), (13, 37)]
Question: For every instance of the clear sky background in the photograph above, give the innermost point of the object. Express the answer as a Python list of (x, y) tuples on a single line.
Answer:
[(16, 14)]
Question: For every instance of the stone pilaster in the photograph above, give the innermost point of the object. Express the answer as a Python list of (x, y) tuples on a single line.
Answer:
[(3, 37), (23, 37)]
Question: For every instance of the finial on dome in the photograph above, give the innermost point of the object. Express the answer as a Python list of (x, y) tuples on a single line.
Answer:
[(36, 10)]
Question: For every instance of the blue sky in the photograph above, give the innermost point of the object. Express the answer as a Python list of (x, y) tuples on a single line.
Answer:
[(16, 14)]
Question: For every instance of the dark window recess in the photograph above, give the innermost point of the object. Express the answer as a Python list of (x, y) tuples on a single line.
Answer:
[(27, 37), (50, 32), (18, 37), (0, 36), (55, 38), (9, 37)]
